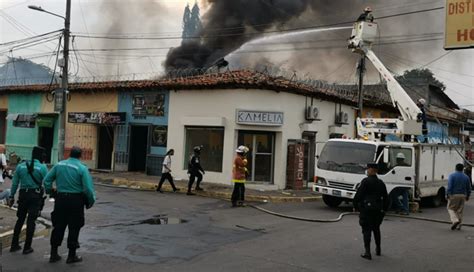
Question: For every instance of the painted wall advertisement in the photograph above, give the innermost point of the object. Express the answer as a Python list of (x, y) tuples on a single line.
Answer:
[(148, 104), (159, 136)]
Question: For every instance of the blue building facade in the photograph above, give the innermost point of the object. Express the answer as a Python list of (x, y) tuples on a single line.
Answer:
[(141, 142)]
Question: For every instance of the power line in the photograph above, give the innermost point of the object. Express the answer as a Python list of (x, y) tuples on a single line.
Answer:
[(251, 33)]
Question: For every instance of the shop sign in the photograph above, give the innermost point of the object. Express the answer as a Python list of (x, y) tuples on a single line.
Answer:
[(159, 136), (459, 31), (259, 118), (148, 104), (109, 118)]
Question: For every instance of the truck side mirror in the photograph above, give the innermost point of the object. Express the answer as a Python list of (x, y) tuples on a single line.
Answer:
[(386, 158)]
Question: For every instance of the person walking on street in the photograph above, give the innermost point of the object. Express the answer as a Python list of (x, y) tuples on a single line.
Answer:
[(28, 177), (166, 172), (239, 171), (459, 191), (74, 191), (371, 200), (195, 170), (3, 163)]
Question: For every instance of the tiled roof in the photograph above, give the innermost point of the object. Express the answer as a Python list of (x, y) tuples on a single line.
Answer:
[(226, 80)]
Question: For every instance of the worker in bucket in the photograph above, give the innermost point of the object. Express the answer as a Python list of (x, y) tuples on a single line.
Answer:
[(239, 172), (371, 200), (366, 16)]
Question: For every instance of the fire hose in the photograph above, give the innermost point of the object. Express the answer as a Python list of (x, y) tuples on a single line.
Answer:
[(341, 215), (315, 220)]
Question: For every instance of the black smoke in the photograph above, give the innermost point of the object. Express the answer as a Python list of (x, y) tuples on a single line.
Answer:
[(230, 23)]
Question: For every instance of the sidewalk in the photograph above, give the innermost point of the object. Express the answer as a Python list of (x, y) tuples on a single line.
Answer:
[(7, 223), (221, 191)]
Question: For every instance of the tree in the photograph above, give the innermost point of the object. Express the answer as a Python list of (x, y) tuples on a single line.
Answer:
[(195, 20), (424, 75), (187, 31)]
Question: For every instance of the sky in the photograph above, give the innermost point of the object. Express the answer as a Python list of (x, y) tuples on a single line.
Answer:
[(163, 18)]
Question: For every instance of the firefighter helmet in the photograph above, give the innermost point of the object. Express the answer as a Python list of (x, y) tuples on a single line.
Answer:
[(242, 149)]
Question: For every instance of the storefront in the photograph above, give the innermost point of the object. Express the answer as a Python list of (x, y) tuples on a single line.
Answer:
[(95, 131), (141, 142), (264, 120)]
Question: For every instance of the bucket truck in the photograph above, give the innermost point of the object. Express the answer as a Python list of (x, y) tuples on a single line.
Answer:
[(425, 167)]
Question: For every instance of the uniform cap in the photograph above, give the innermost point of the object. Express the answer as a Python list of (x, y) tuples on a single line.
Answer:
[(368, 9), (372, 165)]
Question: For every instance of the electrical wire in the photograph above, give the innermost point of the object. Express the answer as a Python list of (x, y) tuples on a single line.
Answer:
[(252, 33)]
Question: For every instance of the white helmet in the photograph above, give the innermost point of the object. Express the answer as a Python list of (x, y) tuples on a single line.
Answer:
[(421, 101), (368, 9), (242, 149), (400, 156)]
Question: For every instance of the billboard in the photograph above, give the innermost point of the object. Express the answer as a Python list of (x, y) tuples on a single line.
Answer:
[(459, 32)]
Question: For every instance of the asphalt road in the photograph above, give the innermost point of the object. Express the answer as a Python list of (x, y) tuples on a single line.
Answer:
[(215, 237)]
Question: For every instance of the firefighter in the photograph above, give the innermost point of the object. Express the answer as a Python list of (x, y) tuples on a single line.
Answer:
[(195, 170), (74, 191), (366, 16), (371, 200), (29, 177), (239, 172)]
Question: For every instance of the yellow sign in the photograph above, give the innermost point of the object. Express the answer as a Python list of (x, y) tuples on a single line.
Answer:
[(459, 31)]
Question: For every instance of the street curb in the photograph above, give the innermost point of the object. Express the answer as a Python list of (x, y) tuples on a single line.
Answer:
[(6, 237), (149, 186)]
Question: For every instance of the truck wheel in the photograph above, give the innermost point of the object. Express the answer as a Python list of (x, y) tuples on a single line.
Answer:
[(332, 201), (438, 199)]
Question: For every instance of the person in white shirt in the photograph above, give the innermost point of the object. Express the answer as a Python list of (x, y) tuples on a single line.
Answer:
[(166, 172), (4, 194), (3, 162)]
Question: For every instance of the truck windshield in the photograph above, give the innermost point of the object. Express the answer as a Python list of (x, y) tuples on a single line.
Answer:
[(347, 157)]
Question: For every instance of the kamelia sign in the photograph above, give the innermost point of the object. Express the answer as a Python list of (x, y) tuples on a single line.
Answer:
[(259, 118)]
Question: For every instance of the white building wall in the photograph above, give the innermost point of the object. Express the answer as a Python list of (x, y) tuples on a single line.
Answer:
[(218, 108)]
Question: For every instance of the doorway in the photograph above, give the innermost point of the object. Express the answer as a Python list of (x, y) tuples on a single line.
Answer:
[(261, 154), (105, 147), (138, 148), (309, 156), (45, 140)]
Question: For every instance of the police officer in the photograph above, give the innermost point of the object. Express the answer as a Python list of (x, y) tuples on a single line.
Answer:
[(371, 200), (28, 176), (194, 170), (74, 190)]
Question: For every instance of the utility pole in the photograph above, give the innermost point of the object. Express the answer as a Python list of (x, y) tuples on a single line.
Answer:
[(361, 69), (63, 90)]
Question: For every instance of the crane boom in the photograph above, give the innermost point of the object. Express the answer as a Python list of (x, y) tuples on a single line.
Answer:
[(363, 36)]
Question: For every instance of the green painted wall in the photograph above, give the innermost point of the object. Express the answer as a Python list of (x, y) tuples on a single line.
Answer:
[(22, 140)]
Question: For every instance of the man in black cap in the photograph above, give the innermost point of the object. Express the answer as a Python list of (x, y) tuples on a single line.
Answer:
[(371, 200), (29, 177)]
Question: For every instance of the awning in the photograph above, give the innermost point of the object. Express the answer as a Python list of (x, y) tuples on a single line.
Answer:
[(12, 116)]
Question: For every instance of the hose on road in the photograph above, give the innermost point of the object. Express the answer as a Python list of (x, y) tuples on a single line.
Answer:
[(341, 215)]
